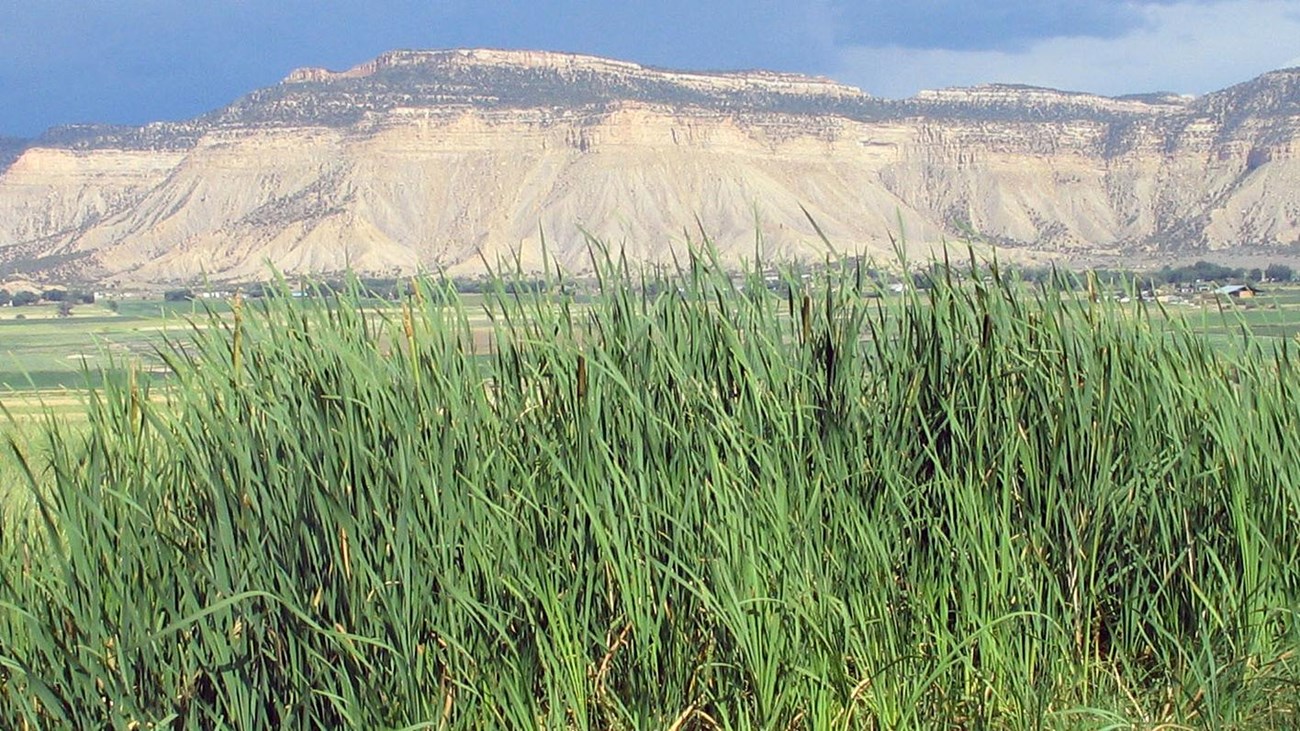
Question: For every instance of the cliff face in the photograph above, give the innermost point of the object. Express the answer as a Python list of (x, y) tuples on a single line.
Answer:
[(439, 160)]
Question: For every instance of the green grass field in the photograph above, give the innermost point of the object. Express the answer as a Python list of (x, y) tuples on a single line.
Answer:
[(43, 352)]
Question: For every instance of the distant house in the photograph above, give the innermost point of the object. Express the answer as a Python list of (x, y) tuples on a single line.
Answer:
[(1239, 291)]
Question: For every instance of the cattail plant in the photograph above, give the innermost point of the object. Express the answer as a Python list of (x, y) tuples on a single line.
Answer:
[(984, 505)]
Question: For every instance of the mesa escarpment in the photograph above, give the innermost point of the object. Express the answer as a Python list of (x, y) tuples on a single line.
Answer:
[(444, 159)]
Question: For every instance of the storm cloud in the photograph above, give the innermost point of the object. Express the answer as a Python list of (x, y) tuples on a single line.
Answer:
[(133, 61)]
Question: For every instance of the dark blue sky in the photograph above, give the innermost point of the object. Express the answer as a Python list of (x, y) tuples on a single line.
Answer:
[(133, 61)]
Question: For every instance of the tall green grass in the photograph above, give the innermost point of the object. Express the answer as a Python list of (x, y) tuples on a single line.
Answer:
[(687, 505)]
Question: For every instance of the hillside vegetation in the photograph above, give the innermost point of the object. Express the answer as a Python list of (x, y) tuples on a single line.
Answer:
[(684, 505)]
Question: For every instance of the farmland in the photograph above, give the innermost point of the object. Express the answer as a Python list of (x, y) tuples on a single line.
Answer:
[(43, 356), (986, 505)]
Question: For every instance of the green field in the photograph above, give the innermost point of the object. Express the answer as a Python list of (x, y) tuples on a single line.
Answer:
[(987, 505), (43, 352)]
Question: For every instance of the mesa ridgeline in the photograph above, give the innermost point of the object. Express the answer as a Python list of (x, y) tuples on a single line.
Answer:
[(437, 160)]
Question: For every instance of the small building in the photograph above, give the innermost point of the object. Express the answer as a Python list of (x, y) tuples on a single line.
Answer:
[(1238, 291)]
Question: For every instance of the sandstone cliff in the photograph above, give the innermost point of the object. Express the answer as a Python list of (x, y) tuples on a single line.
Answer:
[(439, 160)]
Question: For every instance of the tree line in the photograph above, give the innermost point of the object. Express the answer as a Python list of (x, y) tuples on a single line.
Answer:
[(24, 297)]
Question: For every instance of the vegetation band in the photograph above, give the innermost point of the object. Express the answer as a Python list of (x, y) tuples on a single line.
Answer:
[(685, 504)]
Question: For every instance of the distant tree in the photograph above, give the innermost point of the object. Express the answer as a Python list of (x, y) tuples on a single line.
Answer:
[(1255, 274), (4, 297), (54, 295), (24, 298), (65, 309), (1207, 271), (1278, 273), (526, 286), (1037, 274), (112, 306), (178, 295), (468, 286)]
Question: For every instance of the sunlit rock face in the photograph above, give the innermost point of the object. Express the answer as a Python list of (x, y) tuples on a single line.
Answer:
[(445, 160)]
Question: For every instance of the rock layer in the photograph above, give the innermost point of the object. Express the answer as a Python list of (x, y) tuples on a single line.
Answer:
[(447, 160)]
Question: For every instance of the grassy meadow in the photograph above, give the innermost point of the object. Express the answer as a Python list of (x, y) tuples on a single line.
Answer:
[(682, 505)]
